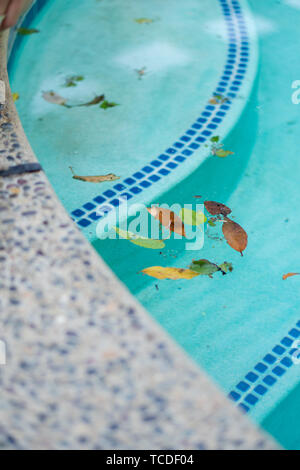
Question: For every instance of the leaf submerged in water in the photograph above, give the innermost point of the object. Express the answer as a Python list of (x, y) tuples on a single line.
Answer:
[(72, 81), (222, 153), (143, 20), (27, 31), (286, 276), (107, 104), (98, 99), (191, 217), (204, 267), (54, 98), (15, 96), (144, 242), (170, 273), (95, 179)]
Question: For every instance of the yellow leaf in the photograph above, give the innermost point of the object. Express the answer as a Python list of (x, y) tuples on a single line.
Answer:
[(191, 217), (143, 20), (144, 242), (169, 273), (15, 96)]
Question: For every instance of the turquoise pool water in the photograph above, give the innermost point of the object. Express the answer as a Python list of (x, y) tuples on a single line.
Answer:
[(239, 327)]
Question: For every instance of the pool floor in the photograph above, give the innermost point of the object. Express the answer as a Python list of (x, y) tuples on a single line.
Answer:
[(240, 327)]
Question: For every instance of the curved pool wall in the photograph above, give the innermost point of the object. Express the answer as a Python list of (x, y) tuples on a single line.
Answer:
[(86, 367), (152, 173)]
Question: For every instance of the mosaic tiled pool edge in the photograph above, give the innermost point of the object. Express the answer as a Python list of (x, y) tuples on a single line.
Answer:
[(195, 138), (266, 373)]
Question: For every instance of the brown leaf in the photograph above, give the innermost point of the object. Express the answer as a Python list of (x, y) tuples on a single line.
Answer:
[(216, 208), (96, 100), (286, 276), (168, 219), (95, 179), (235, 235)]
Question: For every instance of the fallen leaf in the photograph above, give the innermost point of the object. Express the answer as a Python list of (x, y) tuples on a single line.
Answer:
[(218, 99), (140, 241), (204, 267), (98, 99), (95, 179), (215, 139), (225, 267), (191, 217), (143, 20), (286, 276), (26, 31), (170, 273), (216, 208), (15, 96), (106, 104), (235, 235), (222, 153), (72, 80), (168, 219), (211, 223), (54, 98)]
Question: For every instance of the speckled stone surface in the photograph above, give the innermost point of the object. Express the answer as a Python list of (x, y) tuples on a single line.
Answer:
[(87, 367)]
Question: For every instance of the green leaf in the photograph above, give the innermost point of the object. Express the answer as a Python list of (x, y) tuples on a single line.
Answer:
[(190, 217), (225, 267), (222, 153), (204, 267), (211, 223), (106, 104), (149, 243), (216, 138), (71, 81), (140, 241), (27, 31)]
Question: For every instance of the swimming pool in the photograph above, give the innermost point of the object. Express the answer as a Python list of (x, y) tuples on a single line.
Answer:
[(163, 97)]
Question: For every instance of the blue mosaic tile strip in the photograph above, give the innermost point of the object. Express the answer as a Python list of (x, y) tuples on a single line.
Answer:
[(267, 372), (196, 136)]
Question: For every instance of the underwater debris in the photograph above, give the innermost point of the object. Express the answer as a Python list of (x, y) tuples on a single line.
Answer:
[(95, 179), (168, 219)]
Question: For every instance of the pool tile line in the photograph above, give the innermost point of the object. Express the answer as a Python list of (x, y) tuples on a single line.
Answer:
[(196, 136), (199, 133), (266, 373)]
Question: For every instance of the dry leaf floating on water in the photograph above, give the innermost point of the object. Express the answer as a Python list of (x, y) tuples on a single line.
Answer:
[(216, 208), (235, 235)]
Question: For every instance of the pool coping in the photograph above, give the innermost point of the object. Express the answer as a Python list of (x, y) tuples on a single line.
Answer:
[(86, 365)]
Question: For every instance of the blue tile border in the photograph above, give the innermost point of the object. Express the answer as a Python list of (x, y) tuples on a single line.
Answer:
[(266, 373), (196, 136)]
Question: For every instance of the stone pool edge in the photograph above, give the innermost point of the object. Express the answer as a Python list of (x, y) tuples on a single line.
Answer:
[(86, 366)]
